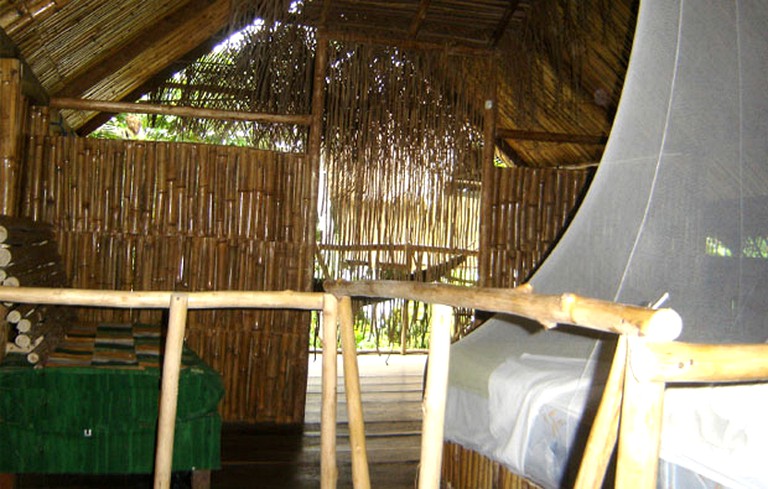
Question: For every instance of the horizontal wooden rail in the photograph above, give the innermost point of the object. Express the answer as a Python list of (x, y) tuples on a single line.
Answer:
[(550, 137), (676, 362), (549, 310), (178, 304), (180, 111), (161, 299)]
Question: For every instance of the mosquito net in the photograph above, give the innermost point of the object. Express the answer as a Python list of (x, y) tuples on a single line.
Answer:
[(679, 204)]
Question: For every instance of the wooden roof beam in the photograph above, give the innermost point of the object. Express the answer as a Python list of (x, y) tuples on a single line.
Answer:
[(550, 137), (155, 37), (453, 48), (503, 23), (30, 85), (413, 31)]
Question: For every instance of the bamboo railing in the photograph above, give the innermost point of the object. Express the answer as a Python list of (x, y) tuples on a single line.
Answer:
[(629, 321), (179, 304), (646, 358)]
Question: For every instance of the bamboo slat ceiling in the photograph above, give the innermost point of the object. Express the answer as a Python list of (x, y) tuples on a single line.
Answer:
[(560, 65)]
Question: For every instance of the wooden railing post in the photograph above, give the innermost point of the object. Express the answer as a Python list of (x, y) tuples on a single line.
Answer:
[(434, 399), (360, 475), (169, 392), (328, 468)]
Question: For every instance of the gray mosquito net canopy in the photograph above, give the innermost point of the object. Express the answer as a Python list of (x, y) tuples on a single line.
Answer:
[(679, 204)]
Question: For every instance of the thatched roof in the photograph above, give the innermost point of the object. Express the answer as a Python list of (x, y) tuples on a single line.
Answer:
[(560, 66)]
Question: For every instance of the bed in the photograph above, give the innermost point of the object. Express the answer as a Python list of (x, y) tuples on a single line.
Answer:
[(528, 403)]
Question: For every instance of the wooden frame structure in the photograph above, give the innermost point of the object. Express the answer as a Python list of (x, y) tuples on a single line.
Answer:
[(646, 359), (178, 304)]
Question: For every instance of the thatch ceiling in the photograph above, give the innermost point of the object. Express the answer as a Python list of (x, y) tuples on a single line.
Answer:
[(560, 65)]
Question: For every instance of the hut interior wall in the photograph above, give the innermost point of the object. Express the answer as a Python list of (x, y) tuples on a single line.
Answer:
[(140, 215), (530, 209)]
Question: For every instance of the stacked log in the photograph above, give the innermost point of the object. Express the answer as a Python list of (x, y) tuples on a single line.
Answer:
[(29, 257)]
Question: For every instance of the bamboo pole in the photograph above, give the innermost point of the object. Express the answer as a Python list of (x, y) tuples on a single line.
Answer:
[(328, 469), (434, 399), (637, 462), (688, 362), (661, 324), (360, 475), (11, 109), (195, 112), (602, 435), (487, 187), (169, 391), (159, 300)]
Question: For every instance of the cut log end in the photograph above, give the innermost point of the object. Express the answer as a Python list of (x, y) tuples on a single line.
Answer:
[(664, 325)]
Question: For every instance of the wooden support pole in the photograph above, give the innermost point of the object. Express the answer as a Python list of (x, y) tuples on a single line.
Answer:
[(434, 399), (11, 111), (637, 462), (314, 148), (328, 468), (360, 475), (180, 111), (169, 392), (605, 427), (549, 310), (489, 149)]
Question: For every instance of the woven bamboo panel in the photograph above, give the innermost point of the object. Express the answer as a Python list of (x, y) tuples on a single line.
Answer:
[(144, 215), (467, 469), (529, 210)]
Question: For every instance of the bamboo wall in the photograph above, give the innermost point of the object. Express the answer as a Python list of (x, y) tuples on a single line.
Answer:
[(165, 216), (529, 210), (466, 469)]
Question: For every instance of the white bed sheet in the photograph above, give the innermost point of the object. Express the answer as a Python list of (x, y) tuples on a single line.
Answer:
[(529, 417)]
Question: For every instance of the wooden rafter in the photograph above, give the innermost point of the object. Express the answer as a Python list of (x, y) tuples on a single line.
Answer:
[(503, 23), (550, 137), (197, 18), (453, 48), (417, 21)]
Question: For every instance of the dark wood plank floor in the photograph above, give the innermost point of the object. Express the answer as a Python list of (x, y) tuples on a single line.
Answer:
[(270, 457)]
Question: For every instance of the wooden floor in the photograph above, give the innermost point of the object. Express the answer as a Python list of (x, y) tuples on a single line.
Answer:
[(270, 458)]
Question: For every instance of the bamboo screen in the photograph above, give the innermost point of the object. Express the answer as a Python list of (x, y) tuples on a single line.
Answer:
[(529, 211), (401, 166), (167, 216)]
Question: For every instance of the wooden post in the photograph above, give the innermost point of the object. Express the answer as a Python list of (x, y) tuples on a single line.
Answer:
[(11, 111), (328, 469), (640, 433), (360, 475), (169, 392), (605, 427), (489, 132), (314, 147), (434, 399)]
